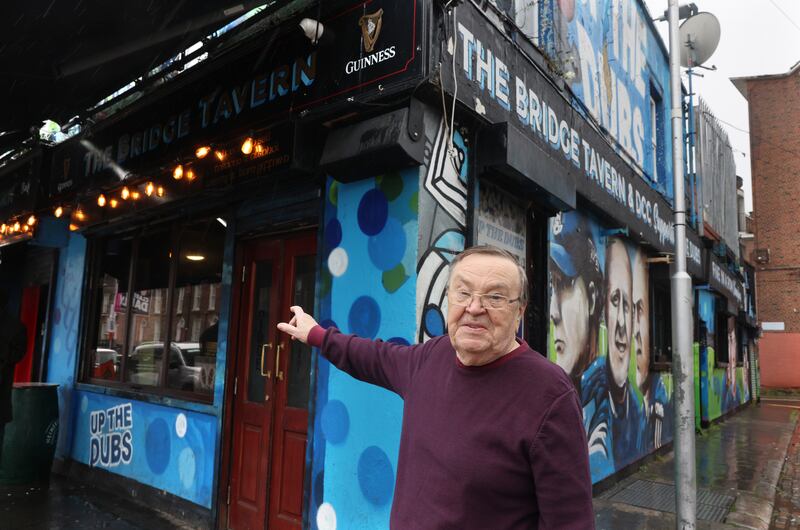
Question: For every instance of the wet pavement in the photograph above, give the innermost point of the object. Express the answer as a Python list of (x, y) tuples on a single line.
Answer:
[(741, 458), (787, 500), (64, 504), (746, 465)]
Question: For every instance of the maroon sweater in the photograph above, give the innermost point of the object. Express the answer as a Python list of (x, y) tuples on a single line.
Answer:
[(492, 447)]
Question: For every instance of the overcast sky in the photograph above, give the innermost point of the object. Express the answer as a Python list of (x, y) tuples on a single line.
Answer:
[(757, 39)]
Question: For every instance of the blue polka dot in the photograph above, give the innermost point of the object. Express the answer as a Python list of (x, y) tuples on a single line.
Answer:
[(328, 323), (335, 421), (365, 317), (398, 340), (333, 233), (434, 321), (375, 476), (157, 446), (387, 248), (373, 211)]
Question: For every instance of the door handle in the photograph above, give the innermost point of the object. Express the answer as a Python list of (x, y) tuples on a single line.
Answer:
[(264, 347), (278, 371)]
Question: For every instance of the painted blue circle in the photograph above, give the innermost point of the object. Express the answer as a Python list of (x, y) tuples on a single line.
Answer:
[(335, 421), (398, 340), (434, 321), (328, 323), (375, 476), (333, 233), (157, 445), (373, 211), (387, 248), (365, 317)]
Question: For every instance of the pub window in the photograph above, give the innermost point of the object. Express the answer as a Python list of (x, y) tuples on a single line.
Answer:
[(661, 314), (141, 282)]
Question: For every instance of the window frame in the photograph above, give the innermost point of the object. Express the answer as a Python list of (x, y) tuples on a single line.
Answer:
[(90, 313), (721, 317)]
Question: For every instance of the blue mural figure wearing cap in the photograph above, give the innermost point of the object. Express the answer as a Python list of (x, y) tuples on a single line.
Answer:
[(575, 295)]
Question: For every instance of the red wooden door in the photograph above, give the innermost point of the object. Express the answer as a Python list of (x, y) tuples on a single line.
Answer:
[(270, 415), (292, 372)]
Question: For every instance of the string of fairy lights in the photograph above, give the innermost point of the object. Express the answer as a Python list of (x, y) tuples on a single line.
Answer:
[(22, 226)]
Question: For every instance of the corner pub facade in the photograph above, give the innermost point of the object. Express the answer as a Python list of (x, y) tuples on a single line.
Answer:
[(344, 176)]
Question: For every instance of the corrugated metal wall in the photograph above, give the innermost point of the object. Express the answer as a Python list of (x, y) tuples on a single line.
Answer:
[(716, 172)]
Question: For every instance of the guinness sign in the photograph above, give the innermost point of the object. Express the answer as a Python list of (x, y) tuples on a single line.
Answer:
[(371, 29)]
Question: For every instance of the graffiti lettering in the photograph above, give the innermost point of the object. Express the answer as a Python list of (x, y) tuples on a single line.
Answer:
[(111, 436)]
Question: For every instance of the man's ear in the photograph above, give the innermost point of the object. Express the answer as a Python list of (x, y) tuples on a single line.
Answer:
[(591, 293)]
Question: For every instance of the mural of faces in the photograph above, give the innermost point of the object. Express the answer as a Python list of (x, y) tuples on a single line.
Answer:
[(571, 305), (575, 299), (731, 372), (641, 319), (619, 309)]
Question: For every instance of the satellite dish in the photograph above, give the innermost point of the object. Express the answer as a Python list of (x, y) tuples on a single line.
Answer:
[(699, 36)]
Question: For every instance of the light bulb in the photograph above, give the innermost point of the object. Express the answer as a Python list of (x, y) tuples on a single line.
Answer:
[(79, 215), (135, 195), (177, 173), (247, 146), (101, 200), (113, 203), (32, 220), (220, 155), (149, 189), (160, 191), (125, 193), (59, 211), (201, 152), (190, 174)]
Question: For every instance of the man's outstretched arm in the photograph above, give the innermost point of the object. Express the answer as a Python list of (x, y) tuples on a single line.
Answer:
[(381, 363)]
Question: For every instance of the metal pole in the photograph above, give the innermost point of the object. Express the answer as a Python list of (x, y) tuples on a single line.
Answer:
[(682, 361), (690, 152)]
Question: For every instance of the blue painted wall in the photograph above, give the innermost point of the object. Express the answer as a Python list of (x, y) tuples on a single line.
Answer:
[(62, 361), (387, 245), (167, 448), (613, 61)]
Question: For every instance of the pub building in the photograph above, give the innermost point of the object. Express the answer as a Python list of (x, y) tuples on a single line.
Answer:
[(343, 175)]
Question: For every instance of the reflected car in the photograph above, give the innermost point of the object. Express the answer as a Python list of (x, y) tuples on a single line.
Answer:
[(106, 363), (145, 365)]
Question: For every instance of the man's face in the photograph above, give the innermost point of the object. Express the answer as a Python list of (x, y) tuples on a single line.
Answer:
[(569, 311), (478, 334), (641, 320), (618, 309)]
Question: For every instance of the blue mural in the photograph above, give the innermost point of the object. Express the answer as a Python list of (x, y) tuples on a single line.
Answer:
[(617, 68), (61, 367), (387, 245), (168, 448), (724, 385), (600, 335), (367, 288)]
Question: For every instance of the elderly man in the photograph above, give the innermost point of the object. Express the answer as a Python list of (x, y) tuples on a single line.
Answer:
[(492, 433)]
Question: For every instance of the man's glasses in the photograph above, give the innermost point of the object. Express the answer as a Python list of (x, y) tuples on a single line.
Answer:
[(488, 301)]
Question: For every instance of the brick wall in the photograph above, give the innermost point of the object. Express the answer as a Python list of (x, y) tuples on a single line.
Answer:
[(775, 153), (780, 360)]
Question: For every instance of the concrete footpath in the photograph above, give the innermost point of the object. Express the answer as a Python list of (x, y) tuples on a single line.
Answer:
[(748, 476)]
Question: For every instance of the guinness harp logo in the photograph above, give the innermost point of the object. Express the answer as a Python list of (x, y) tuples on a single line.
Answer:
[(370, 29)]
